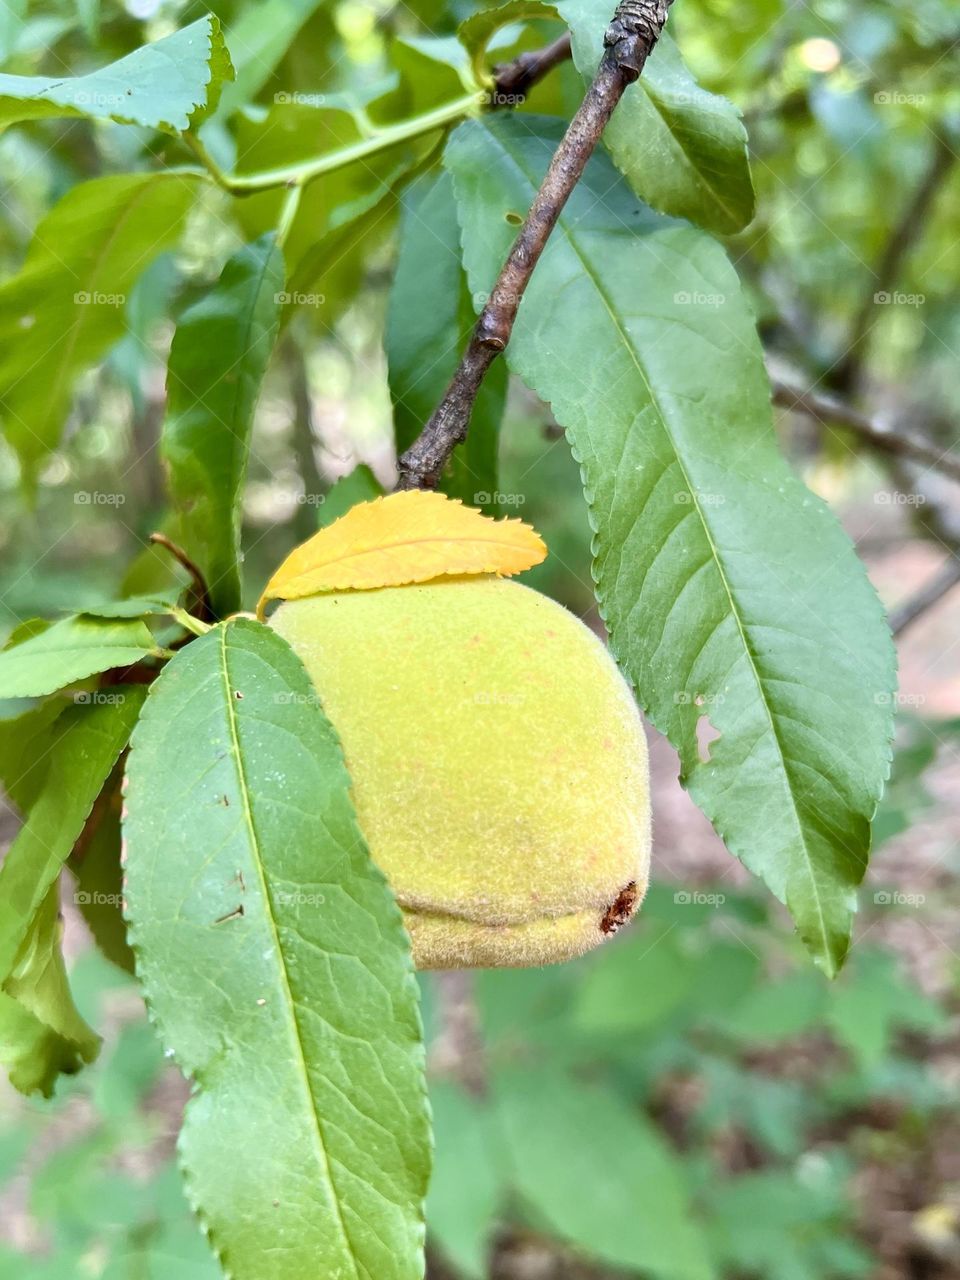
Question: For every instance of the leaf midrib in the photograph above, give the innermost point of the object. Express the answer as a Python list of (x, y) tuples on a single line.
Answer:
[(300, 1055), (655, 403)]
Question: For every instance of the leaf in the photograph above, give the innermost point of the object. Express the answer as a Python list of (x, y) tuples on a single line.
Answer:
[(405, 537), (71, 650), (64, 308), (99, 887), (86, 746), (477, 31), (431, 316), (39, 984), (274, 962), (732, 597), (217, 362), (564, 1137), (258, 39), (133, 607), (360, 485), (872, 1001), (293, 132), (32, 1056), (682, 149), (468, 1181), (159, 86), (25, 741)]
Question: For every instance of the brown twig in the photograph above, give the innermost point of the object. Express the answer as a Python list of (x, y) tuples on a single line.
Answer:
[(889, 265), (632, 34), (827, 409), (458, 1050), (202, 606), (514, 80), (932, 593)]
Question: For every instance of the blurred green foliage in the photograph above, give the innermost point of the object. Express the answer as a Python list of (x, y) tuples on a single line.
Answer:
[(693, 1100)]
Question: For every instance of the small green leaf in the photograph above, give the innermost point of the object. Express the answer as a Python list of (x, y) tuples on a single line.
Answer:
[(32, 1056), (563, 1137), (477, 31), (25, 741), (361, 485), (133, 607), (38, 983), (99, 887), (72, 650), (219, 356), (734, 601), (274, 961), (682, 149), (84, 749), (468, 1181), (65, 306), (872, 1001), (159, 86), (431, 316)]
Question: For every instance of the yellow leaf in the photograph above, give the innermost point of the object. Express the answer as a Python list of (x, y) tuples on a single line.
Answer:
[(403, 538)]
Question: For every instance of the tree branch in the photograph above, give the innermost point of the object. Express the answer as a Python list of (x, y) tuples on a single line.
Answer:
[(932, 593), (632, 34), (827, 409), (887, 271), (514, 80), (202, 605)]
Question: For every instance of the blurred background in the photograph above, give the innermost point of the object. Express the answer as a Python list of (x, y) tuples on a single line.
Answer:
[(694, 1100)]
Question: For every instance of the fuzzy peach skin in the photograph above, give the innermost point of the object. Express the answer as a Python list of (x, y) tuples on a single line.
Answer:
[(498, 761)]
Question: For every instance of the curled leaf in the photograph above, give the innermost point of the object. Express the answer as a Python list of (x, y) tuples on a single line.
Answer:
[(403, 538)]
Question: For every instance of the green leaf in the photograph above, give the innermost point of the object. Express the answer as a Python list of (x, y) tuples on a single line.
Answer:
[(275, 964), (361, 485), (477, 31), (99, 888), (86, 745), (778, 1010), (429, 323), (872, 1001), (38, 983), (64, 308), (33, 1057), (69, 651), (468, 1181), (160, 86), (733, 599), (786, 1225), (133, 607), (291, 133), (565, 1138), (25, 741), (258, 40), (217, 362), (682, 149)]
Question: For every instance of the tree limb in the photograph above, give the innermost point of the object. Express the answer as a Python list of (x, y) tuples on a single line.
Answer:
[(887, 271), (514, 80), (932, 593), (632, 34), (827, 409)]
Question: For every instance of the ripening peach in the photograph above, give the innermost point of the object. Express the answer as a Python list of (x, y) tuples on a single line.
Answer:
[(498, 762)]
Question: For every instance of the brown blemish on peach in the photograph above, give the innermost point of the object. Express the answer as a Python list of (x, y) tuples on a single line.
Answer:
[(620, 911)]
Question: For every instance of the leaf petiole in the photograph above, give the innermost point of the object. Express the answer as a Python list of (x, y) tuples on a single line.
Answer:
[(380, 140)]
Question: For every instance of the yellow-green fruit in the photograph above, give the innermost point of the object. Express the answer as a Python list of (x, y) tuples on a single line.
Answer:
[(498, 761)]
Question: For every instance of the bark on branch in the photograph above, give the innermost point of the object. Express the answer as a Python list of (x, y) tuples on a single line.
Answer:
[(827, 409), (632, 34)]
